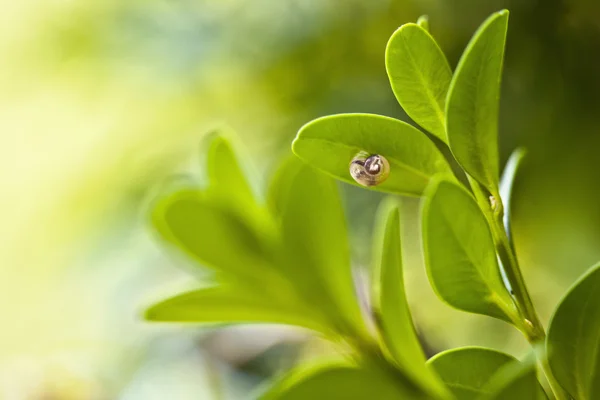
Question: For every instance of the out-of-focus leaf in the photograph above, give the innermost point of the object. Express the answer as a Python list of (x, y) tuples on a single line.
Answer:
[(473, 102), (211, 234), (330, 143), (391, 306), (343, 381), (506, 184), (467, 370), (423, 22), (317, 255), (233, 304), (574, 336), (460, 254), (420, 77), (515, 381), (226, 178), (280, 184)]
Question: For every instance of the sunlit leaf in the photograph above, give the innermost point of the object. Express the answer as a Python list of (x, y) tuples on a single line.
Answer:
[(574, 336), (343, 381), (460, 254), (233, 304), (330, 143), (317, 254), (423, 22), (515, 381), (467, 370), (420, 76), (473, 102), (507, 182), (391, 307), (227, 181), (211, 234)]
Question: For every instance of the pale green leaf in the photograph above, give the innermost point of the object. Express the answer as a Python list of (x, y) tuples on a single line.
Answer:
[(467, 370), (234, 304), (343, 381), (330, 143), (573, 342), (391, 307), (515, 381), (473, 102), (460, 254), (420, 76), (423, 22), (227, 181), (213, 235), (316, 251), (506, 185)]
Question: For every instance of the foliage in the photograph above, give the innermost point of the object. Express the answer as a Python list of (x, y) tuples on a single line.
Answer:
[(286, 260)]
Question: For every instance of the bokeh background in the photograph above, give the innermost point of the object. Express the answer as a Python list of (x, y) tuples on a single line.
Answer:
[(103, 101)]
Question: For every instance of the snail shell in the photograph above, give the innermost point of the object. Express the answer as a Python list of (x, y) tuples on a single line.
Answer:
[(369, 169)]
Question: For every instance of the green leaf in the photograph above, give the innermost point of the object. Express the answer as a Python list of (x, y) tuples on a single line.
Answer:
[(281, 183), (507, 182), (467, 370), (234, 304), (226, 178), (573, 343), (423, 22), (473, 102), (342, 381), (420, 76), (211, 234), (391, 306), (330, 143), (515, 381), (460, 254), (317, 254)]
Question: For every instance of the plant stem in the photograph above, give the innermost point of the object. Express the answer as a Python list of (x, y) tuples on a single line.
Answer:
[(531, 325)]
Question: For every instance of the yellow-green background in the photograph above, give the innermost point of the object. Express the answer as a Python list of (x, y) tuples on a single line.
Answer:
[(104, 101)]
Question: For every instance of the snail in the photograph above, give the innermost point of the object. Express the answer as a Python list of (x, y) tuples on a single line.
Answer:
[(369, 169)]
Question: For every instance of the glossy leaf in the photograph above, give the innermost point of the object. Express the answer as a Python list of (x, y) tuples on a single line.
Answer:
[(211, 234), (467, 370), (473, 102), (391, 306), (233, 304), (460, 254), (574, 336), (515, 381), (507, 182), (420, 77), (342, 381), (330, 143), (317, 254)]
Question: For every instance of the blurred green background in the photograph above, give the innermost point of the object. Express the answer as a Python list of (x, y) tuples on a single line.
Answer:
[(103, 102)]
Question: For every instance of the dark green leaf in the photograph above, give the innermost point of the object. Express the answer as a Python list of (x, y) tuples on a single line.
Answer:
[(460, 254), (420, 76), (467, 370), (473, 102), (573, 343), (342, 381), (330, 143), (391, 306)]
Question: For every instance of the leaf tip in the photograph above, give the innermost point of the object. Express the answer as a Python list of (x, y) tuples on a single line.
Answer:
[(423, 22)]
